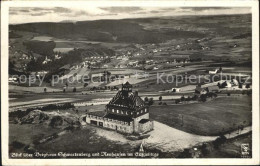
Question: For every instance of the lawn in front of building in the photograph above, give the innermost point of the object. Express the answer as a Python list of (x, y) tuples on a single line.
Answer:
[(210, 118)]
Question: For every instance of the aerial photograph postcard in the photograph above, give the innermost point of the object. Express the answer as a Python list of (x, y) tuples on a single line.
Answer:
[(140, 82)]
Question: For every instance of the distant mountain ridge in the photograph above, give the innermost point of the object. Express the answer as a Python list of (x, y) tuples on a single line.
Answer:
[(126, 31)]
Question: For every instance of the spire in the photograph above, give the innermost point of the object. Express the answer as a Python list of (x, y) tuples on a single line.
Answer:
[(141, 149)]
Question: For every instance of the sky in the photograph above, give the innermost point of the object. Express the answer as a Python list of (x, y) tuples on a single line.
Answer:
[(18, 15)]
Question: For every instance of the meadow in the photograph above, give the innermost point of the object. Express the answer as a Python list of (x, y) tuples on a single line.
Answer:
[(210, 118)]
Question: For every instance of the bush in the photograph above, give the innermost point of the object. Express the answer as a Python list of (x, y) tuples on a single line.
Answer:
[(219, 141), (188, 98), (203, 98), (177, 101), (195, 97), (56, 121), (185, 154), (146, 99), (205, 149), (150, 101)]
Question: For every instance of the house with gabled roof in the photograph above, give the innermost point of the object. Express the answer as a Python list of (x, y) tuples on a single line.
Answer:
[(126, 113)]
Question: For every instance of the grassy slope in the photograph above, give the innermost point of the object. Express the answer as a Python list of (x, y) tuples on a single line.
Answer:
[(208, 118)]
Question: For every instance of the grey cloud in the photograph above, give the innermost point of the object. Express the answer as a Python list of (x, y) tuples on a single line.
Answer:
[(75, 14), (114, 14), (61, 10), (154, 11), (13, 13), (40, 13), (121, 9), (204, 8), (36, 9), (25, 11), (168, 9), (140, 13)]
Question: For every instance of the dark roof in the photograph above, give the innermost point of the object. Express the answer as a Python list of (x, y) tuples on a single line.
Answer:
[(131, 101), (127, 84), (198, 89), (144, 121), (215, 87), (118, 117), (98, 113)]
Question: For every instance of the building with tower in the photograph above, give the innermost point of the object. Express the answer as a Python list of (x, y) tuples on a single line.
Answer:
[(126, 113)]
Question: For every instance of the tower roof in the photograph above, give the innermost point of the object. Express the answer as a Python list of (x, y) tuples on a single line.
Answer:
[(127, 84), (132, 101)]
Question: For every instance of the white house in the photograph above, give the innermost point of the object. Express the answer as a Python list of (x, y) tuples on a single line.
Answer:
[(213, 72), (176, 89), (46, 60), (229, 85)]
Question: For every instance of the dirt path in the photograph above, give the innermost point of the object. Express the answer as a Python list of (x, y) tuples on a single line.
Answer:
[(165, 138), (168, 139)]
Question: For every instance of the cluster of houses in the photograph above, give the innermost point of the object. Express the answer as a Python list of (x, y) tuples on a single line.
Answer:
[(155, 65), (201, 90), (47, 60), (108, 76), (26, 57), (214, 87)]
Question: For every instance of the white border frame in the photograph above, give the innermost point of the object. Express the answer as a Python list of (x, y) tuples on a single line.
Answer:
[(4, 83)]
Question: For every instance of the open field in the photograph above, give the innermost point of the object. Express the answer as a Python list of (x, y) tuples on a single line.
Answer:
[(210, 118), (27, 133)]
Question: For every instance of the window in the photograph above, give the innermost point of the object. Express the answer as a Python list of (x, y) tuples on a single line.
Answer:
[(117, 111), (145, 110), (137, 113), (122, 112), (141, 111), (113, 110)]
